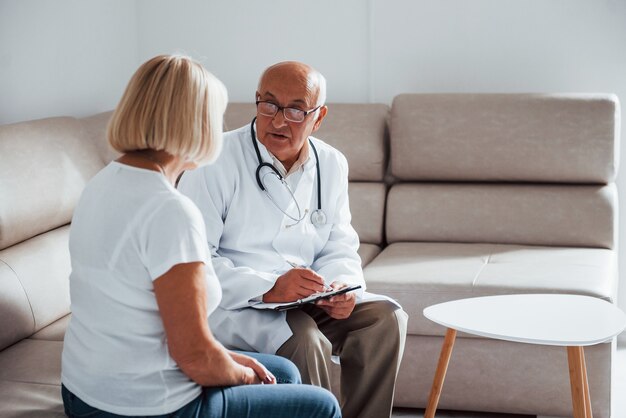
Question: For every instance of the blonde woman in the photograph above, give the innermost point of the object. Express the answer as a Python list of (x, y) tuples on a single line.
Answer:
[(142, 284)]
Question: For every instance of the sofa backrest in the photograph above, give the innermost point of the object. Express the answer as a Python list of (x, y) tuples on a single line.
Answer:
[(44, 167), (94, 130), (504, 168), (359, 131), (522, 169)]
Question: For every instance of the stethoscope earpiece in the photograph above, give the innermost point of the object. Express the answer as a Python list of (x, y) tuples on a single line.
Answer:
[(318, 217)]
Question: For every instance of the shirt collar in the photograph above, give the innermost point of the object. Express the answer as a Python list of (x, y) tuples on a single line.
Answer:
[(303, 158)]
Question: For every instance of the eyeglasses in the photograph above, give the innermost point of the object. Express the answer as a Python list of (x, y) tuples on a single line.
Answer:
[(290, 113)]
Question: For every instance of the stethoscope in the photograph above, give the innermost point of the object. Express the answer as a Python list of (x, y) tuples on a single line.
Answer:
[(318, 217)]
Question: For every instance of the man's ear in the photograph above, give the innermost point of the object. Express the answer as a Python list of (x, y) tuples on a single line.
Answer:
[(322, 115)]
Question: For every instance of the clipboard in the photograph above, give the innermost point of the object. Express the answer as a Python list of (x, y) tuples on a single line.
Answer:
[(283, 306)]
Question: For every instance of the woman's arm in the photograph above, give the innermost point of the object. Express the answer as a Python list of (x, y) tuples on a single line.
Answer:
[(181, 297)]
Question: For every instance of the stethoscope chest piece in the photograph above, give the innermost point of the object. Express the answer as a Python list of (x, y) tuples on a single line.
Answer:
[(318, 218)]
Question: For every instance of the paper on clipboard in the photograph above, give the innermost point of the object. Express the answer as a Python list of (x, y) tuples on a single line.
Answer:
[(283, 306)]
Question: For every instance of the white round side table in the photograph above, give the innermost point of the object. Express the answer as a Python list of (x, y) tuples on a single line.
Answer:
[(572, 321)]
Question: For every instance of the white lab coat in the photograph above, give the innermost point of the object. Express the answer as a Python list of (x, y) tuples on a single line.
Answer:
[(252, 243)]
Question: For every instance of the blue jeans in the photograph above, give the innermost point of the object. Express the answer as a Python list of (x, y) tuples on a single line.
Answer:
[(287, 400)]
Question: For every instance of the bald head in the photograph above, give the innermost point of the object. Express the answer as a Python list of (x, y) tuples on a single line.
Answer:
[(299, 74), (300, 88)]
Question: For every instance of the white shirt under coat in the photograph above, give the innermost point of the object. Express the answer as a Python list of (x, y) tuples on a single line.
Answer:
[(252, 241)]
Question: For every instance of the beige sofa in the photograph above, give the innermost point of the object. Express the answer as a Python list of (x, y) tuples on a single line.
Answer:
[(453, 196)]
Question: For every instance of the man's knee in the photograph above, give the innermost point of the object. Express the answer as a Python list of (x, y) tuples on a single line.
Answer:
[(385, 317), (307, 340), (310, 340)]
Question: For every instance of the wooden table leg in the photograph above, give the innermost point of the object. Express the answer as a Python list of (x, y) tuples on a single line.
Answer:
[(440, 375), (578, 381), (585, 384)]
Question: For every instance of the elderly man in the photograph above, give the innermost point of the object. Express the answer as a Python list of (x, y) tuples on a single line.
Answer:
[(277, 215)]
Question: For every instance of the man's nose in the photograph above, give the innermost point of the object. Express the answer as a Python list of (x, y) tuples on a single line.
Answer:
[(279, 120)]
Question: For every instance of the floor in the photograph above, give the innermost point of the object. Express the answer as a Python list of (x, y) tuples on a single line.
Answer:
[(619, 405), (419, 413)]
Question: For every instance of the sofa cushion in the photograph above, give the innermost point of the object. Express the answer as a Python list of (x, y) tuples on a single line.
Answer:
[(45, 166), (30, 379), (367, 206), (238, 115), (505, 137), (40, 267), (422, 274), (53, 332), (368, 252), (30, 400), (32, 361), (359, 131), (16, 316), (561, 215)]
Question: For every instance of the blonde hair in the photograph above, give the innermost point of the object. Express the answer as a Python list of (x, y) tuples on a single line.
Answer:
[(171, 103)]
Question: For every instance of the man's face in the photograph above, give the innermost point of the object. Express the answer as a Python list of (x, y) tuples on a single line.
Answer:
[(283, 138)]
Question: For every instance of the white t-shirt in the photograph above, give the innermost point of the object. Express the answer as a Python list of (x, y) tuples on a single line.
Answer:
[(130, 227)]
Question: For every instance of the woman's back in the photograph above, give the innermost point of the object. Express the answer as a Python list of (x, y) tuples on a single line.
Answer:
[(129, 228)]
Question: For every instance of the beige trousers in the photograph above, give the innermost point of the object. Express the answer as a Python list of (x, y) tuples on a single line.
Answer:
[(369, 344)]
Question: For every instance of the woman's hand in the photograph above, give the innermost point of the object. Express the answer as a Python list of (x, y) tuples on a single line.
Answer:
[(182, 301), (256, 372)]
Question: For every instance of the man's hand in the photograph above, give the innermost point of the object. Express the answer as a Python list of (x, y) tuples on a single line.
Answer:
[(254, 372), (340, 306), (296, 284)]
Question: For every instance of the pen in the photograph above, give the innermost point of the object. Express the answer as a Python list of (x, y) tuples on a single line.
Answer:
[(294, 265), (297, 266)]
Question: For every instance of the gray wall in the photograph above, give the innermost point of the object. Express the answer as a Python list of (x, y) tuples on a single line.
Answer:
[(237, 39), (69, 57), (66, 57)]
